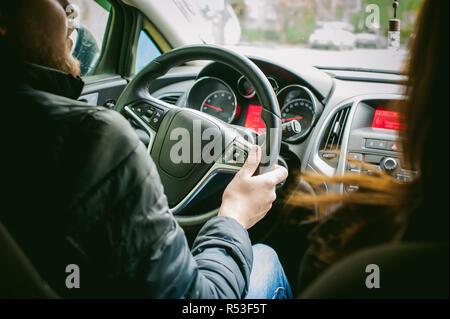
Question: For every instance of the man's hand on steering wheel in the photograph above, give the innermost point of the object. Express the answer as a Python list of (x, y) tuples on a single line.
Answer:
[(248, 198)]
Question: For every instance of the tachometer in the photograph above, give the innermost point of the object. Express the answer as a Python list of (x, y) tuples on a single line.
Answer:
[(221, 104), (302, 111)]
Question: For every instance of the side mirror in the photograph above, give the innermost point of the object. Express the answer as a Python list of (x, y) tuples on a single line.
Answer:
[(86, 50)]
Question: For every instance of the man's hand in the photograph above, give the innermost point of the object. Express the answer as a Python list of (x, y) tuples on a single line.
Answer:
[(248, 198)]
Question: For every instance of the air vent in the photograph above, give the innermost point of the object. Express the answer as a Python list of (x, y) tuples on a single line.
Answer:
[(171, 98), (332, 139)]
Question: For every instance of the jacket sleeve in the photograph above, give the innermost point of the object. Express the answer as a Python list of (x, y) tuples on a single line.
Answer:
[(139, 243)]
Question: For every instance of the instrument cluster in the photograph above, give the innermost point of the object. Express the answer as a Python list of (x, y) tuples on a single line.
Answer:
[(238, 103)]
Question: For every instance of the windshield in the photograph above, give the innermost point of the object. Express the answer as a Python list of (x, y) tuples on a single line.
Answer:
[(347, 34)]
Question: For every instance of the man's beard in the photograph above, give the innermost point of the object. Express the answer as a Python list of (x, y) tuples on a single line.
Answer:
[(66, 63), (48, 57)]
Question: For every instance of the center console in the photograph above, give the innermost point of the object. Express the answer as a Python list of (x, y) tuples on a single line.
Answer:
[(373, 138), (361, 136)]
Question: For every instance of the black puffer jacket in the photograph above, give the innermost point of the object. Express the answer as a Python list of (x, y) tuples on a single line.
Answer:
[(82, 189)]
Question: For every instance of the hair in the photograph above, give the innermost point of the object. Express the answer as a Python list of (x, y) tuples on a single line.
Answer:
[(384, 209), (26, 43)]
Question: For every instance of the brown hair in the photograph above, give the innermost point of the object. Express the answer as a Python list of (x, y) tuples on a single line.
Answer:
[(384, 209)]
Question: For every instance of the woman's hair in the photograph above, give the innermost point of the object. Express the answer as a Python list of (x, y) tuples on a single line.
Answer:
[(384, 201)]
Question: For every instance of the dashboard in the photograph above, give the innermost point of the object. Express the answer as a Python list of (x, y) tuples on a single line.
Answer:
[(343, 115), (222, 92)]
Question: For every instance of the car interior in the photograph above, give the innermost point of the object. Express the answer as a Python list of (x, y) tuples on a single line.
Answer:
[(145, 67)]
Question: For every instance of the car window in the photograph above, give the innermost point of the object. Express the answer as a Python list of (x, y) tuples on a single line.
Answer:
[(146, 52), (338, 34), (88, 38)]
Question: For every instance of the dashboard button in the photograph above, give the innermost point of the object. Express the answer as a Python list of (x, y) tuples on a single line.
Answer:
[(403, 178), (389, 164), (374, 159), (376, 144), (392, 146), (372, 170), (355, 165), (370, 143), (355, 156)]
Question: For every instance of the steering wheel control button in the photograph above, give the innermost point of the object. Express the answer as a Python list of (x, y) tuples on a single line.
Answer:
[(156, 119), (149, 114), (154, 122), (235, 155), (146, 119), (238, 156)]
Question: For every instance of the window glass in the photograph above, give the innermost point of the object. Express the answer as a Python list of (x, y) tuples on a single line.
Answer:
[(147, 51), (92, 26), (325, 33)]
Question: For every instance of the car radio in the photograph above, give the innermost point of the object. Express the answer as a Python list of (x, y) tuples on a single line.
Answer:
[(373, 142)]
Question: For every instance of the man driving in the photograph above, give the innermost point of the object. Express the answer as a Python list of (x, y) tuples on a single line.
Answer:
[(82, 189)]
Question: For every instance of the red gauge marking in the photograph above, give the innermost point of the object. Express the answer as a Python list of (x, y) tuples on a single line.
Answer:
[(293, 118), (250, 92), (214, 107)]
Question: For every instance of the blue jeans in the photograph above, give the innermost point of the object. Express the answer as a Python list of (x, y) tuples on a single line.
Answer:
[(267, 279)]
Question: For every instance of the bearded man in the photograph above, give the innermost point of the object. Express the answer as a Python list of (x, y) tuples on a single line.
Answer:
[(81, 188)]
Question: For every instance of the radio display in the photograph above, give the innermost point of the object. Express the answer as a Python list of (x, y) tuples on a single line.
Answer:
[(388, 120)]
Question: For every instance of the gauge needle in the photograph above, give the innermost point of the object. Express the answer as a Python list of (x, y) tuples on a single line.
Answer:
[(293, 118), (214, 107), (250, 92)]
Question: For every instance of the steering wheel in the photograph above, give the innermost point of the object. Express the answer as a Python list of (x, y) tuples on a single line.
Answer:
[(186, 183)]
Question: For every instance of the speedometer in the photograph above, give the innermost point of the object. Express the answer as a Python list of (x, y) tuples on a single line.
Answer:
[(221, 104), (298, 105), (300, 110)]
